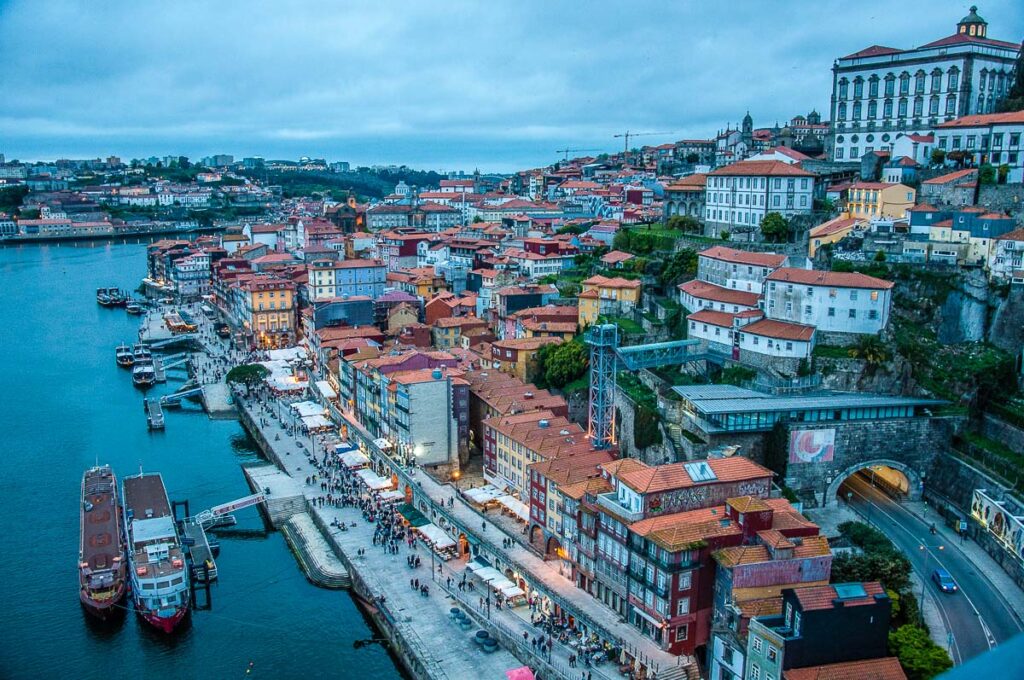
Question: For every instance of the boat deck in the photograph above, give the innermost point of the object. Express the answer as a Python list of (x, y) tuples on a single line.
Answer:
[(101, 532), (156, 550)]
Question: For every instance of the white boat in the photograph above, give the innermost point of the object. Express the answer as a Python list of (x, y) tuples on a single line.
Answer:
[(124, 356)]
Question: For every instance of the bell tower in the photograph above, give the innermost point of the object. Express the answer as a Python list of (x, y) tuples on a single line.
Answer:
[(972, 24)]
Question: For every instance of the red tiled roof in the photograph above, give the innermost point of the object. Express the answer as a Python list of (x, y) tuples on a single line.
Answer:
[(743, 257), (951, 177), (963, 38), (760, 168), (781, 330), (614, 282), (982, 119), (811, 277), (722, 319), (873, 51), (709, 291), (650, 479), (834, 226), (824, 597), (884, 668)]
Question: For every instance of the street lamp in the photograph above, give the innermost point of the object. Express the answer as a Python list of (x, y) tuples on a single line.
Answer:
[(924, 576)]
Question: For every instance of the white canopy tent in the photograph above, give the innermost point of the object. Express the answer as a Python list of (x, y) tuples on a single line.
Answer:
[(325, 389), (354, 459), (392, 496), (436, 535), (488, 574), (287, 354), (514, 591), (516, 507), (482, 494), (317, 422), (307, 408), (372, 480)]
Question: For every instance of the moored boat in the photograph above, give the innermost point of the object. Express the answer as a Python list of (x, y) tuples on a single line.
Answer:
[(123, 356), (101, 554), (143, 373), (159, 574), (133, 307)]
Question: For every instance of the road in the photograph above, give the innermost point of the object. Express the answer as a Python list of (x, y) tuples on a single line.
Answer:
[(977, 615)]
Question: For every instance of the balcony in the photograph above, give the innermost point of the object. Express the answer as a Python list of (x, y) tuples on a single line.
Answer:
[(611, 503)]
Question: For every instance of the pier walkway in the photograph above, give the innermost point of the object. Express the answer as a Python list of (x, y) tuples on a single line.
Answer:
[(388, 573), (154, 414)]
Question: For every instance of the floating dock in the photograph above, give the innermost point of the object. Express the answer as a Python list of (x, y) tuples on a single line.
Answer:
[(199, 549), (154, 414)]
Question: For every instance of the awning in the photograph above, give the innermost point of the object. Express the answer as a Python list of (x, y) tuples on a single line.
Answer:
[(372, 480), (307, 408), (488, 574), (483, 494), (354, 459), (382, 444), (647, 616), (325, 389), (514, 591), (477, 563), (501, 583), (436, 535), (523, 673), (392, 496), (516, 507), (412, 515), (316, 422)]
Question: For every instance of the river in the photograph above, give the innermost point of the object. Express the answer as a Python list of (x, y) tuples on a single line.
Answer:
[(65, 406)]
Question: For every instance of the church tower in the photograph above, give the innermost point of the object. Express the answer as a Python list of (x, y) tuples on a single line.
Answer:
[(972, 24), (747, 132)]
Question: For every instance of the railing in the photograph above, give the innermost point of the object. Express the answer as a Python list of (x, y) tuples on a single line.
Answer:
[(607, 500)]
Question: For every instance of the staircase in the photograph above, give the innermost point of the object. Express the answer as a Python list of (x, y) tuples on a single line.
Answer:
[(318, 561)]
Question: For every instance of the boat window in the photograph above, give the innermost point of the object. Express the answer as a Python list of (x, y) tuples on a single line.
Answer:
[(148, 586)]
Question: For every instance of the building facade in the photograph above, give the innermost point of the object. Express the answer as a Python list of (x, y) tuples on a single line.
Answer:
[(740, 195)]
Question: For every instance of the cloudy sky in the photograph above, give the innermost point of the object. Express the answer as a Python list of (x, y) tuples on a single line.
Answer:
[(453, 85)]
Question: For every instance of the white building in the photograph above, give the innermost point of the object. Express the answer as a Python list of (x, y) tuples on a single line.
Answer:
[(880, 92), (1006, 260), (990, 138), (751, 338), (696, 295), (737, 269), (738, 196), (832, 302), (192, 276)]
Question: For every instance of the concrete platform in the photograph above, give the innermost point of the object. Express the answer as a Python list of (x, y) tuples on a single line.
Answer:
[(318, 561), (217, 401), (286, 495)]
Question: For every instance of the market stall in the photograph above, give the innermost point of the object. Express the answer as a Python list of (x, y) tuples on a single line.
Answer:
[(318, 423), (392, 496), (437, 539), (515, 507), (372, 480), (354, 460), (483, 495)]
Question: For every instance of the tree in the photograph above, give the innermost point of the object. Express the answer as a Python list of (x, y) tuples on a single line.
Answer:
[(563, 363), (622, 239), (247, 374), (725, 235), (1014, 99), (871, 349), (891, 568), (571, 229), (682, 264), (938, 156), (775, 228), (477, 219), (920, 658), (1004, 173), (987, 174), (684, 223), (879, 256), (692, 157)]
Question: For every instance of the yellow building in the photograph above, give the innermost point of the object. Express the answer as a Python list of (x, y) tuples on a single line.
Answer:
[(879, 199), (589, 308), (603, 296), (269, 311), (833, 231), (518, 356)]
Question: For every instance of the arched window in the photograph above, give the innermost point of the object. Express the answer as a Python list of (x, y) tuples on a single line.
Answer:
[(981, 104), (856, 110), (872, 109), (858, 87), (951, 105), (902, 112), (873, 86), (918, 107), (887, 109), (919, 78), (982, 79), (904, 83), (953, 78), (890, 85), (933, 106), (844, 87), (841, 112)]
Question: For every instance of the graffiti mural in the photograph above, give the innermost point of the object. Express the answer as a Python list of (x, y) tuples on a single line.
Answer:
[(812, 446), (1005, 527)]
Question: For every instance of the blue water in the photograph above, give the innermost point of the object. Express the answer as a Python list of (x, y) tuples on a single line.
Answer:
[(64, 404)]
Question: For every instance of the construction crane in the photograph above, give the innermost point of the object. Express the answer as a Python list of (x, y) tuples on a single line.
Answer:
[(627, 134), (219, 512), (568, 151)]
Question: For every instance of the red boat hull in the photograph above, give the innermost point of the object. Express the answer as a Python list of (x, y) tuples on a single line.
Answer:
[(165, 623)]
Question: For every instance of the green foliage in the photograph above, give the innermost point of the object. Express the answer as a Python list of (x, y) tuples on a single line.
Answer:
[(736, 375), (247, 374), (879, 256), (1014, 98), (684, 223), (775, 228), (681, 265), (879, 561), (692, 157), (571, 229), (987, 174), (871, 349), (905, 609), (561, 364), (938, 156), (804, 368), (1003, 173), (725, 234), (645, 427), (477, 219), (920, 658), (11, 197)]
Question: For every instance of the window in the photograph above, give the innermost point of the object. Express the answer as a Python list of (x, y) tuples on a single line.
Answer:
[(997, 140), (856, 110), (755, 672), (953, 79), (1014, 139), (918, 107), (854, 152), (919, 83), (853, 295), (904, 83), (951, 105), (682, 632), (933, 106), (758, 644), (683, 606), (902, 112), (843, 88), (685, 579), (858, 88), (873, 86), (872, 109), (873, 314), (773, 654), (839, 153), (853, 313), (831, 311), (936, 81), (890, 84), (789, 346)]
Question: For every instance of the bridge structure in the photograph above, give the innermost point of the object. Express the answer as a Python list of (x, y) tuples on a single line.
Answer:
[(607, 358)]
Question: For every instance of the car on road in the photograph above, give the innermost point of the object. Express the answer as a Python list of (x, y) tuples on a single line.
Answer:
[(944, 580)]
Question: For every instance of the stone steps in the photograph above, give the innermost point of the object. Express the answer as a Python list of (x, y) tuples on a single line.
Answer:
[(314, 554)]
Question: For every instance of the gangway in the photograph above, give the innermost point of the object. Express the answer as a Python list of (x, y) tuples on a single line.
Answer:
[(154, 413), (607, 358), (201, 554), (175, 398), (218, 512)]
